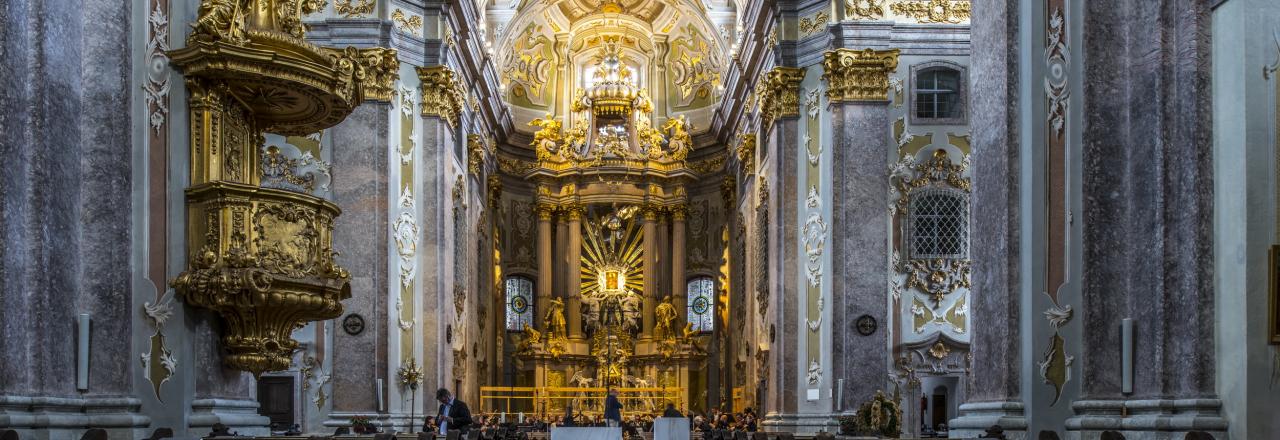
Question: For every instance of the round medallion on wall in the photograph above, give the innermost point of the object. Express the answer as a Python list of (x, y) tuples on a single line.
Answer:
[(866, 325), (353, 324)]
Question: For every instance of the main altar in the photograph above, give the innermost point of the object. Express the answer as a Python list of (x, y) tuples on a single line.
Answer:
[(616, 177)]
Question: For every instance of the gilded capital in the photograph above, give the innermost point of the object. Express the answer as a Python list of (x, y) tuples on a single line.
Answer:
[(746, 152), (380, 67), (441, 93), (545, 211), (574, 211), (858, 75), (475, 154), (729, 190), (679, 212), (650, 212), (779, 91)]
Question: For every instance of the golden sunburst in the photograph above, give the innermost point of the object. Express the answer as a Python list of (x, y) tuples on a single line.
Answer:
[(612, 255)]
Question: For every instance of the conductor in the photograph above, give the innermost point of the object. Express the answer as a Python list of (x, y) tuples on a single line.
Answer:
[(612, 409), (453, 414)]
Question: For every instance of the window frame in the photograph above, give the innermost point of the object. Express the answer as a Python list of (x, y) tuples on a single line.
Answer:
[(917, 196), (962, 94), (506, 301), (689, 297)]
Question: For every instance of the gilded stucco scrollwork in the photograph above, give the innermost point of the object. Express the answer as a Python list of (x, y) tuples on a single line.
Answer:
[(746, 152), (476, 154), (858, 75), (864, 9), (408, 23), (529, 64), (779, 94), (354, 8), (694, 64), (934, 11), (813, 24), (938, 276), (442, 93)]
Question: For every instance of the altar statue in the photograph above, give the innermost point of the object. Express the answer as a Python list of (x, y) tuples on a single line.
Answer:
[(665, 316), (554, 321)]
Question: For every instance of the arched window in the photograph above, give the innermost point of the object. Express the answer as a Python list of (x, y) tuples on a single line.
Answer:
[(702, 303), (519, 303), (938, 224), (937, 93)]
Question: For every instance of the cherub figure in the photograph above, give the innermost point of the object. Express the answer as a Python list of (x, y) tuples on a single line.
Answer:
[(679, 142), (546, 142)]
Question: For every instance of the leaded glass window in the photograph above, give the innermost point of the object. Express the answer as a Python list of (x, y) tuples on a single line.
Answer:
[(519, 303), (702, 304), (938, 224)]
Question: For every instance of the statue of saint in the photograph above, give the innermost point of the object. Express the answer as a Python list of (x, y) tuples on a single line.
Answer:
[(665, 316), (554, 322)]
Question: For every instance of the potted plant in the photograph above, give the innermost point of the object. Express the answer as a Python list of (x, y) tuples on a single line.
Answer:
[(361, 425)]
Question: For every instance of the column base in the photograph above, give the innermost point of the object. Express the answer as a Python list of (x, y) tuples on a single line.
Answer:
[(240, 416), (801, 424), (1146, 419), (57, 418), (975, 418)]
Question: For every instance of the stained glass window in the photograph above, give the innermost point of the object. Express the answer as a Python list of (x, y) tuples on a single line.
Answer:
[(519, 303), (702, 304)]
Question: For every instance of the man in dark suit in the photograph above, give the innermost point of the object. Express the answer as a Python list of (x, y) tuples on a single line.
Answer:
[(453, 414), (671, 411), (612, 409)]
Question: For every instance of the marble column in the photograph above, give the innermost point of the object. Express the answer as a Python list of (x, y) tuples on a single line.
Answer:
[(66, 218), (573, 274), (859, 237), (361, 234), (994, 390), (543, 298), (649, 267), (679, 294), (663, 246), (1147, 177), (559, 284)]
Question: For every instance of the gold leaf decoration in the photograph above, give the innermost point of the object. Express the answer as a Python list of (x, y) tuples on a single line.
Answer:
[(411, 25), (934, 11), (864, 9), (353, 8), (694, 65), (813, 24), (858, 75)]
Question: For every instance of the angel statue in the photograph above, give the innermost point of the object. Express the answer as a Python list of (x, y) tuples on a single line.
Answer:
[(666, 315), (546, 142), (679, 142), (530, 342), (554, 322)]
